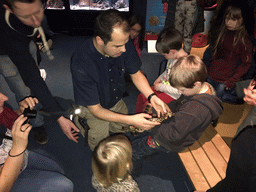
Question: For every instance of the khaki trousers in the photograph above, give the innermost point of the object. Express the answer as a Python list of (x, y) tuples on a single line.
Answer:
[(99, 129)]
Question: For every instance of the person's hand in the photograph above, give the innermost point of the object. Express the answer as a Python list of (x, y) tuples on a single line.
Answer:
[(157, 81), (20, 134), (140, 121), (69, 128), (250, 94), (27, 102), (160, 106), (229, 84), (156, 86)]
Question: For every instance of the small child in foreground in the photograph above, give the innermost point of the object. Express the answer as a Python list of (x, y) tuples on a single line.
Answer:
[(112, 164)]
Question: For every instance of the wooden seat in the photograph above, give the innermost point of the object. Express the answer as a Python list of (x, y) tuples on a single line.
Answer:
[(206, 160)]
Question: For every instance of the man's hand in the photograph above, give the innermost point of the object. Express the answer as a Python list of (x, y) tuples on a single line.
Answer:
[(160, 106), (140, 121), (25, 103), (250, 94), (69, 128)]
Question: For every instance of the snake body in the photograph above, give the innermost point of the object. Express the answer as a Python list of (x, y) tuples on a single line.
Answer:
[(148, 109)]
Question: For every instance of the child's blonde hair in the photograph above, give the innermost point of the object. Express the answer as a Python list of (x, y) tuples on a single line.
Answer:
[(112, 160), (188, 70)]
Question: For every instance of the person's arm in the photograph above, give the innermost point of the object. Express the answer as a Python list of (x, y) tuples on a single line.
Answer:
[(11, 168), (168, 89), (142, 85), (138, 120), (246, 61), (31, 77)]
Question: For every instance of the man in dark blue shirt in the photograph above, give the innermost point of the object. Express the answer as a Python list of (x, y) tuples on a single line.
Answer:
[(98, 68)]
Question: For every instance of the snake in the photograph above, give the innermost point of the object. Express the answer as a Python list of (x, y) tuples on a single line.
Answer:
[(148, 109)]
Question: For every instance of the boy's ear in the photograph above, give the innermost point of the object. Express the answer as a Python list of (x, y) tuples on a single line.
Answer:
[(198, 84), (7, 8), (172, 51), (99, 41)]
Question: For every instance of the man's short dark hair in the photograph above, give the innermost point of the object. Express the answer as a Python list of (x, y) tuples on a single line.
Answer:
[(10, 3), (107, 21), (169, 38)]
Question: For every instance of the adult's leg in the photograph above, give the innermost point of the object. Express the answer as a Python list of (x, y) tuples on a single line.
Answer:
[(98, 129), (13, 78), (180, 16), (121, 108), (42, 174), (190, 10)]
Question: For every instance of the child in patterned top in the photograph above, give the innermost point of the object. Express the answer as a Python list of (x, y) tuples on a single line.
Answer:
[(169, 44), (112, 164)]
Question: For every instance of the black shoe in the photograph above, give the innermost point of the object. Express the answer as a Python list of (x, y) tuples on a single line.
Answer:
[(40, 135)]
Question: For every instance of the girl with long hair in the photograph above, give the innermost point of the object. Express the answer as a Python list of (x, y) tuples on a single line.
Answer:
[(231, 50)]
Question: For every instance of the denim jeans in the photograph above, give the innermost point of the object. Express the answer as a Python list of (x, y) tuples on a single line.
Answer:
[(228, 96), (141, 149), (42, 174)]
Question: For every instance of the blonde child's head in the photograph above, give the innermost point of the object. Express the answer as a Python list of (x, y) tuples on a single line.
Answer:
[(188, 72), (112, 160)]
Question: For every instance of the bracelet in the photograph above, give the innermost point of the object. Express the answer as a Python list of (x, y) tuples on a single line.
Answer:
[(16, 155), (149, 97)]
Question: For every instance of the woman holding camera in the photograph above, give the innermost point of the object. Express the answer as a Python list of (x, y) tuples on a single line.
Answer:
[(21, 170)]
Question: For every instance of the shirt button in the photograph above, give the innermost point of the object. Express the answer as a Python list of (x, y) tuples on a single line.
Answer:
[(114, 89), (116, 97), (111, 80), (109, 70)]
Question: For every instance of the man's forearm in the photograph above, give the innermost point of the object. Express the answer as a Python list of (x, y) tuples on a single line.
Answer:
[(141, 82), (107, 115)]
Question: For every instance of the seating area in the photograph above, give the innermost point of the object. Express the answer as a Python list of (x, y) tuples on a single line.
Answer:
[(206, 160)]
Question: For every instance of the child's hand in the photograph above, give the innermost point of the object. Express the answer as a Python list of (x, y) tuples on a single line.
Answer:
[(157, 81), (156, 86), (27, 102), (250, 94)]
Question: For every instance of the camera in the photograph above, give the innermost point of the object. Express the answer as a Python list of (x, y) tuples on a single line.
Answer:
[(29, 114)]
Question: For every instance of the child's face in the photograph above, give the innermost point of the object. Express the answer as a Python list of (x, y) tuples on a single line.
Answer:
[(170, 55), (135, 30), (232, 24)]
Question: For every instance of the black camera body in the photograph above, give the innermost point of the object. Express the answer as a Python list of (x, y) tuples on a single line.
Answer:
[(29, 114)]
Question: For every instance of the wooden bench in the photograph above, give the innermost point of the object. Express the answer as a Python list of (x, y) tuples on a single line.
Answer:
[(206, 160)]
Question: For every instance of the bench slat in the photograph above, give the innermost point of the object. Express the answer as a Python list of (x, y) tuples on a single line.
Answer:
[(205, 164), (218, 142), (214, 155), (193, 170)]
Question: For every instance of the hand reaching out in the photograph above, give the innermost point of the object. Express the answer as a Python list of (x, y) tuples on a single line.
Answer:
[(250, 94), (140, 121), (160, 106), (25, 103), (69, 128)]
